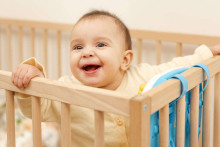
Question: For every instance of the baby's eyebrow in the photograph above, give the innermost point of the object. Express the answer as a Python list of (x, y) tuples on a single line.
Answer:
[(78, 40), (103, 38), (75, 41)]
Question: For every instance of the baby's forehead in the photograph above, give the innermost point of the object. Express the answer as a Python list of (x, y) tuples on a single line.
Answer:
[(101, 18), (101, 24)]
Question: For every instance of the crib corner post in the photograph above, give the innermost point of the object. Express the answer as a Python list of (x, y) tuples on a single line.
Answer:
[(140, 110), (216, 141)]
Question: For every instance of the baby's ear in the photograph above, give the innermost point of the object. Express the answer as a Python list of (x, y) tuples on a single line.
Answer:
[(127, 59)]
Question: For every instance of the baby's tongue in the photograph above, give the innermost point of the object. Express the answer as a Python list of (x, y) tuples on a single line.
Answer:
[(91, 68)]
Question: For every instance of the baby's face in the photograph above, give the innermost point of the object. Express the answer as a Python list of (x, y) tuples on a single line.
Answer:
[(97, 47)]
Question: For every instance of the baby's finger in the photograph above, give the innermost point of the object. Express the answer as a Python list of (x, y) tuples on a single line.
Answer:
[(20, 83), (30, 75), (216, 50), (16, 75), (22, 74)]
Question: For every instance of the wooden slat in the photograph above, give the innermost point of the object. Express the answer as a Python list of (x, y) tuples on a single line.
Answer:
[(164, 126), (201, 126), (9, 47), (180, 133), (179, 49), (65, 125), (10, 116), (140, 121), (20, 32), (59, 52), (207, 112), (46, 49), (99, 129), (217, 111), (139, 50), (33, 42), (0, 47), (93, 98), (36, 122), (194, 116), (158, 51)]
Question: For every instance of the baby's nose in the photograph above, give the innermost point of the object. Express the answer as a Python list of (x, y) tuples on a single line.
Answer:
[(87, 53)]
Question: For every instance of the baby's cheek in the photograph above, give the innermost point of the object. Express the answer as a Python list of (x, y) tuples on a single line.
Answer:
[(72, 67)]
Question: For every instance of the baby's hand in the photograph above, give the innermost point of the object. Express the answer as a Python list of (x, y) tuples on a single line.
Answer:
[(215, 50), (23, 74)]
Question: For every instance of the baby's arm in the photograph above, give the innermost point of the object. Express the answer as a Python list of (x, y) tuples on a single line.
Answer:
[(23, 74), (21, 77), (201, 53)]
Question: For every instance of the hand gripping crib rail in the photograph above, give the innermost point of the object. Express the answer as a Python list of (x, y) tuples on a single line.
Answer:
[(138, 108)]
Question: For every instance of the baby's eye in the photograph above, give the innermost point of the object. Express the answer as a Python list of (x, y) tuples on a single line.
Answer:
[(101, 44), (78, 47)]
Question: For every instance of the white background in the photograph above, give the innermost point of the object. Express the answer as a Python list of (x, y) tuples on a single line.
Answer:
[(188, 16)]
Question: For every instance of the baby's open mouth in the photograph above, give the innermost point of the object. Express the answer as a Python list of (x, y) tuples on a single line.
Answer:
[(91, 67)]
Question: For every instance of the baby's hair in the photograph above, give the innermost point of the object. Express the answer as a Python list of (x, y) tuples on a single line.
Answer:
[(124, 29)]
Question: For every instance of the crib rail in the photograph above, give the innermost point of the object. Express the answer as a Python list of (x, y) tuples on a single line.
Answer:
[(175, 37), (138, 108), (193, 76), (178, 38), (97, 99)]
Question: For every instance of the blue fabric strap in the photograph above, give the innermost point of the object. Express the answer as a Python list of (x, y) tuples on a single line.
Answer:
[(206, 70), (184, 83)]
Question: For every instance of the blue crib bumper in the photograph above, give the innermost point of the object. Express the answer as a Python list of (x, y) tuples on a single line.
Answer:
[(154, 123)]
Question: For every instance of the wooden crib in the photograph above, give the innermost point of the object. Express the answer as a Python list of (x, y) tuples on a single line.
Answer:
[(138, 108)]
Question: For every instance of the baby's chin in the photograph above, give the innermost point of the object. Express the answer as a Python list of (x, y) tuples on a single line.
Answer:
[(92, 84), (98, 85)]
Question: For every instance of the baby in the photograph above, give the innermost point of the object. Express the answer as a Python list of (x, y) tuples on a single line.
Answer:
[(100, 56)]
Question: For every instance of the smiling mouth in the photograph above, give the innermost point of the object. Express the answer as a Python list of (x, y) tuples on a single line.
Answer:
[(91, 68)]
